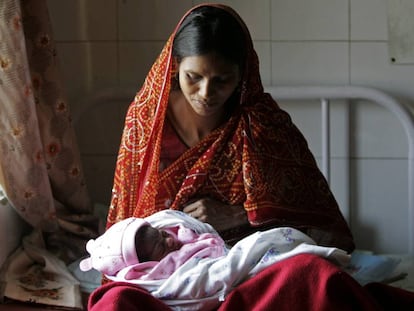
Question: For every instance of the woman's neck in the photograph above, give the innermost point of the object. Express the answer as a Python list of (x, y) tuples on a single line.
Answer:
[(191, 127)]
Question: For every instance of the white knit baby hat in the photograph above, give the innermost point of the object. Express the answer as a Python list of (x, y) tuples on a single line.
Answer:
[(115, 249)]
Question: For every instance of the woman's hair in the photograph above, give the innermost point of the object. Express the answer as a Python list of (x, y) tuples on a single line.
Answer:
[(210, 29)]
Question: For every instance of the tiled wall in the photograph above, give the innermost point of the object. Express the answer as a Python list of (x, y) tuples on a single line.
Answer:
[(107, 43)]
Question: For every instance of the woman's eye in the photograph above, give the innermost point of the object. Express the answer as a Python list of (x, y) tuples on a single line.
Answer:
[(192, 77), (222, 80)]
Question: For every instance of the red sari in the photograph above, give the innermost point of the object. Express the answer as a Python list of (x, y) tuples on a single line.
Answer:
[(258, 159)]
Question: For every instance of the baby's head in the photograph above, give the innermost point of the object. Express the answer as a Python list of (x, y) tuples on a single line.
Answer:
[(153, 244), (128, 242)]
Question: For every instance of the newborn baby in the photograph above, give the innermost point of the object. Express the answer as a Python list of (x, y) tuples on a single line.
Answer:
[(143, 251)]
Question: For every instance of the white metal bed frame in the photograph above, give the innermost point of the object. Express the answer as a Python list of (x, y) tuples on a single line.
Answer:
[(326, 93)]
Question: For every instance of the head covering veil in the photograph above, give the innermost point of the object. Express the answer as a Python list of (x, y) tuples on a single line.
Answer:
[(258, 159)]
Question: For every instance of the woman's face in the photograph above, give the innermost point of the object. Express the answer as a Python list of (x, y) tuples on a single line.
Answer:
[(207, 82), (155, 244)]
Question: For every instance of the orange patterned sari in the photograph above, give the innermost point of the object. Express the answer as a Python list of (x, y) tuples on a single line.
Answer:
[(258, 159)]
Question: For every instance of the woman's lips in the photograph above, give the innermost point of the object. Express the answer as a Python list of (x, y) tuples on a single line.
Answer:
[(204, 103)]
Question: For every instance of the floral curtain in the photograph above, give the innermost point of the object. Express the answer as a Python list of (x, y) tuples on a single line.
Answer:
[(40, 166)]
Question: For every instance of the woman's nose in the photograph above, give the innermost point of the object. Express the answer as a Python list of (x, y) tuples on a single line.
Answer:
[(206, 89)]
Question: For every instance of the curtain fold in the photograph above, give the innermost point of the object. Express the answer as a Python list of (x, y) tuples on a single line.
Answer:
[(39, 158)]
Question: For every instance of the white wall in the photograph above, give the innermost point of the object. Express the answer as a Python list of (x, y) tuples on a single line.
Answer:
[(106, 43)]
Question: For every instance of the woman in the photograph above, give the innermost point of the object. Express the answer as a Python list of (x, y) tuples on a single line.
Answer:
[(201, 136)]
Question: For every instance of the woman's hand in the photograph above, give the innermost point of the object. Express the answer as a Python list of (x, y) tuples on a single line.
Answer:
[(221, 216)]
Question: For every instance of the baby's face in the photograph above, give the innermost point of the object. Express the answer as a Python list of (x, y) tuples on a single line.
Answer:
[(154, 244)]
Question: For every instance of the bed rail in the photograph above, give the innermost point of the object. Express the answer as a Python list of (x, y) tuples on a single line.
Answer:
[(326, 93)]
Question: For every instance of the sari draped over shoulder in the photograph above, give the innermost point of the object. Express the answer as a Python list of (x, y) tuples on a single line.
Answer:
[(258, 159)]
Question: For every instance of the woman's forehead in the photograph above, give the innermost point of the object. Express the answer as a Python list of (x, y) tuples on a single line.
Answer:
[(210, 62)]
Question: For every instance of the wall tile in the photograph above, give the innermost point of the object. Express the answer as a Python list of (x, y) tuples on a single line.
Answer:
[(374, 141), (99, 172), (103, 65), (307, 117), (379, 216), (255, 14), (369, 20), (309, 20), (309, 63), (263, 52), (135, 60), (99, 126), (87, 67), (371, 66), (74, 65), (68, 19), (149, 20), (83, 20), (101, 19)]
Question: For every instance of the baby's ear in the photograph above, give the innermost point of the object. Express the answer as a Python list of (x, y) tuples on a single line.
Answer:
[(90, 246), (86, 264)]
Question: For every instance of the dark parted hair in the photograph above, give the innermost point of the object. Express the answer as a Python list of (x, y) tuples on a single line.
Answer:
[(210, 29)]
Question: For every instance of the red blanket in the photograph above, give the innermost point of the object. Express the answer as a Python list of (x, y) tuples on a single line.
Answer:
[(303, 282)]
